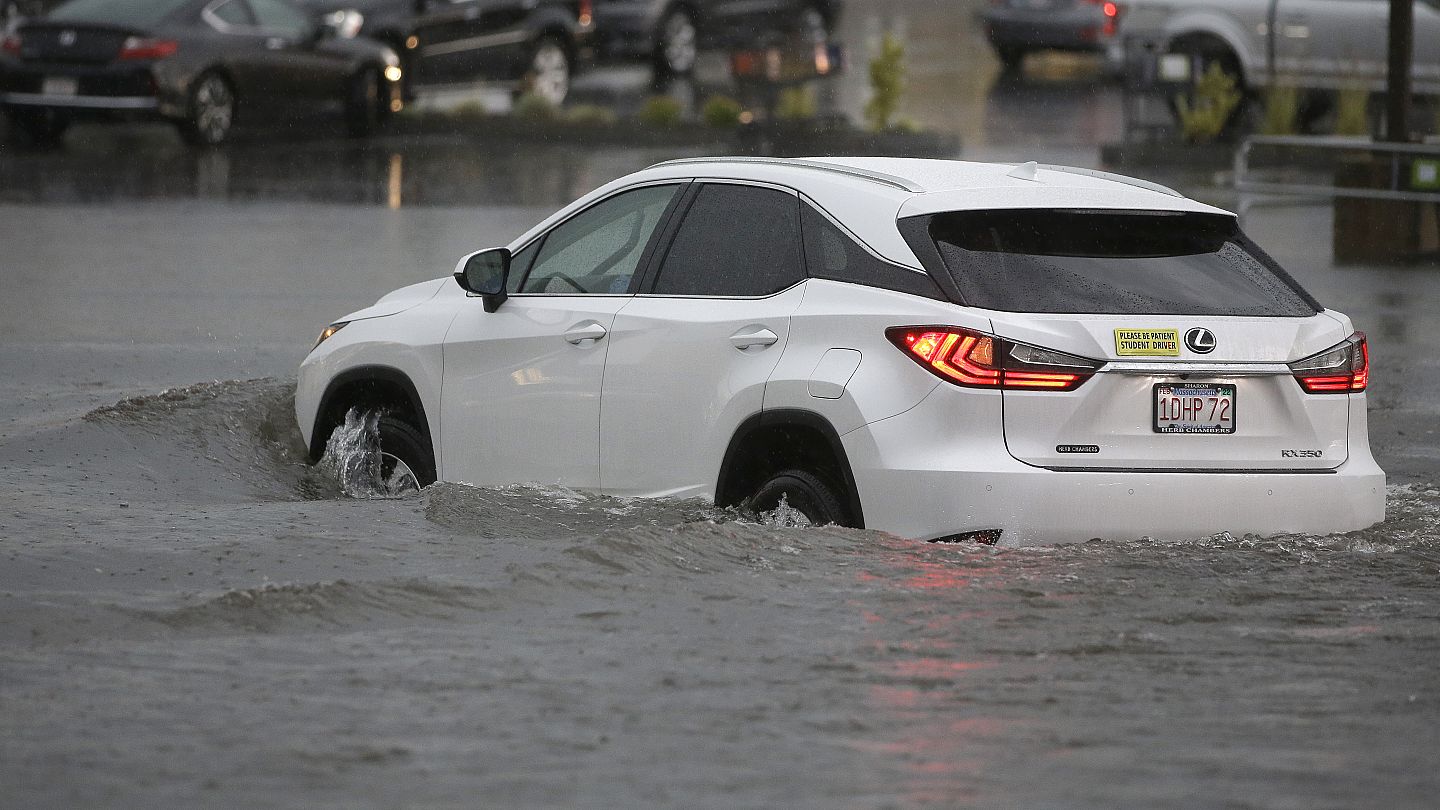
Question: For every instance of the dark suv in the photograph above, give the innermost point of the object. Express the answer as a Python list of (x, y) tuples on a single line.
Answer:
[(671, 33), (450, 41)]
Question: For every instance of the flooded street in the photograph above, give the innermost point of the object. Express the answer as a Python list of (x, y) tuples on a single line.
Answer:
[(191, 616)]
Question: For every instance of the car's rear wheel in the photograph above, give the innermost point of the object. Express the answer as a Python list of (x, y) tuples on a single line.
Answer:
[(212, 111), (38, 127), (364, 105), (405, 459), (550, 69), (677, 43), (811, 501)]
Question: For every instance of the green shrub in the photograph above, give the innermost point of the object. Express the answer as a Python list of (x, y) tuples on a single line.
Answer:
[(1204, 114), (796, 103), (887, 83), (469, 110), (535, 107), (721, 112), (660, 111), (590, 115), (1282, 109), (1352, 110)]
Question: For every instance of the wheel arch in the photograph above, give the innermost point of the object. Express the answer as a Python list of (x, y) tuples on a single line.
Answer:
[(1219, 35), (367, 386), (773, 440)]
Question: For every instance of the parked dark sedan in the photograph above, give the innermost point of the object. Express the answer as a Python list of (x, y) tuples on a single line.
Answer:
[(671, 33), (198, 63), (1019, 27), (446, 41)]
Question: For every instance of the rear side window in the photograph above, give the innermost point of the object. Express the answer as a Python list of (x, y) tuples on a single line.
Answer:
[(735, 241), (831, 253), (129, 13), (1110, 262)]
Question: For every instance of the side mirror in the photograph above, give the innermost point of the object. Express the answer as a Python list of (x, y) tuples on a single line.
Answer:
[(485, 273)]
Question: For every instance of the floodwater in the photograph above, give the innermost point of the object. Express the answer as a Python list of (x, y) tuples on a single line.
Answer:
[(191, 616)]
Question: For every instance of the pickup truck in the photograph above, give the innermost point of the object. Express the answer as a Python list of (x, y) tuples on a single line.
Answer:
[(1316, 45)]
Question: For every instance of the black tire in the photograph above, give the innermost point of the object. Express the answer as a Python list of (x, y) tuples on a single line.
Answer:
[(811, 496), (551, 69), (37, 127), (1012, 57), (402, 442), (677, 43), (211, 110), (363, 103)]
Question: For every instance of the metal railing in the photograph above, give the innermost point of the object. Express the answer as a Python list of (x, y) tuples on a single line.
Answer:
[(1405, 160)]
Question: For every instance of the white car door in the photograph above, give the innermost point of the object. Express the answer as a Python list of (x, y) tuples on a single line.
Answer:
[(520, 397), (690, 355)]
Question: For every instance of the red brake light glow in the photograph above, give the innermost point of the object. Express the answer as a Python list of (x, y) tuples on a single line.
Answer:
[(586, 15), (1341, 369), (978, 360), (11, 44), (136, 48)]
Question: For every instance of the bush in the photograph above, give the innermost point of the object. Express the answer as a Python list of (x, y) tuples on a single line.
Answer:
[(1282, 109), (796, 103), (590, 115), (1204, 114), (469, 110), (660, 111), (533, 107), (887, 83), (721, 112), (1352, 110)]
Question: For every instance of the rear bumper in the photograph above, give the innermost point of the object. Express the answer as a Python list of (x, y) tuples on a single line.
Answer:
[(936, 471), (113, 103), (1079, 29)]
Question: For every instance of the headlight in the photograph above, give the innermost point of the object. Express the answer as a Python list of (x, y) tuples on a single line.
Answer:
[(329, 330)]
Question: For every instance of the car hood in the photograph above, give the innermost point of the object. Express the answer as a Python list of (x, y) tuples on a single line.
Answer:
[(400, 300)]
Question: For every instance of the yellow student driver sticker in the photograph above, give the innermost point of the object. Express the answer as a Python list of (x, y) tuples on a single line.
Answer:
[(1147, 342)]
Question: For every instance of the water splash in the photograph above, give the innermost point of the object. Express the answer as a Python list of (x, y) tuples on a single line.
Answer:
[(784, 516), (354, 460)]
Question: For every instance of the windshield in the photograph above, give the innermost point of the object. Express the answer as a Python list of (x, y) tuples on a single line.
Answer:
[(127, 13), (1112, 262)]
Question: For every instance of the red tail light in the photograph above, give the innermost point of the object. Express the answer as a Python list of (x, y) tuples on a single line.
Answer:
[(1341, 369), (11, 44), (136, 48), (977, 360), (586, 15)]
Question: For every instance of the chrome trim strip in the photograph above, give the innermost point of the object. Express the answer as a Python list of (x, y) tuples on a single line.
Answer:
[(88, 102), (476, 43), (851, 171), (1218, 369), (1191, 470)]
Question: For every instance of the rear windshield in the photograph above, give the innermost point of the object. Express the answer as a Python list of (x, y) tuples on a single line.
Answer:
[(1109, 262), (126, 13)]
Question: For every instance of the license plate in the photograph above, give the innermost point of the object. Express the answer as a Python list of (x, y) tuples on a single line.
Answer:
[(1194, 408), (59, 86)]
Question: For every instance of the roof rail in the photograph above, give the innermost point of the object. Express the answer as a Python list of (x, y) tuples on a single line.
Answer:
[(836, 168), (1116, 178)]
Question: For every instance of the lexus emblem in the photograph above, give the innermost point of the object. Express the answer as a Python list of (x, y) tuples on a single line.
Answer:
[(67, 38), (1200, 341)]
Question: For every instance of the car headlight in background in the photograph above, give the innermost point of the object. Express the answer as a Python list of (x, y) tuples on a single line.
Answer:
[(346, 22), (329, 331)]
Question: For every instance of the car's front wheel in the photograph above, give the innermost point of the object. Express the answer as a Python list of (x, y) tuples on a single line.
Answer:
[(212, 111), (405, 460), (798, 498), (364, 104), (550, 70)]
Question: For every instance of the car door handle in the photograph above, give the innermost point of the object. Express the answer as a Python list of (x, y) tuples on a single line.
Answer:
[(579, 334), (746, 339)]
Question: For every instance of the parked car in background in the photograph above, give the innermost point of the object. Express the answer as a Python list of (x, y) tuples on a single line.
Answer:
[(672, 33), (198, 63), (538, 42), (1318, 46), (1017, 28), (847, 336)]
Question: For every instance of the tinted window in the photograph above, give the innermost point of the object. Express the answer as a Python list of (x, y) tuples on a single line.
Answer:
[(833, 254), (520, 265), (278, 16), (141, 13), (735, 240), (599, 249), (1107, 262), (233, 12)]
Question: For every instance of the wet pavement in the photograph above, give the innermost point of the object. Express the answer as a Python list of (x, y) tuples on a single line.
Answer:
[(192, 616)]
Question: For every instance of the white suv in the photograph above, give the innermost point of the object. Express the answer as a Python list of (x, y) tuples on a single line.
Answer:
[(938, 349)]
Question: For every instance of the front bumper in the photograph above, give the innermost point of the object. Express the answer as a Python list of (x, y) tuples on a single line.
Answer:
[(935, 471)]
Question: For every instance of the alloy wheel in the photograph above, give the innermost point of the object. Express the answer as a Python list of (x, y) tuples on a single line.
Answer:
[(550, 71), (679, 41), (214, 109)]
